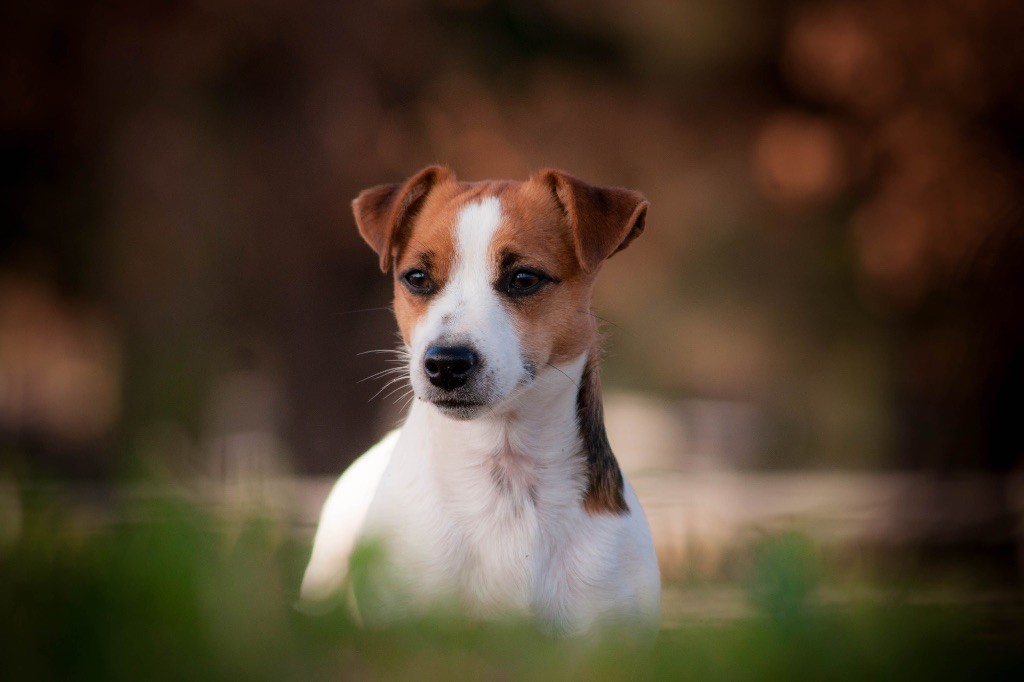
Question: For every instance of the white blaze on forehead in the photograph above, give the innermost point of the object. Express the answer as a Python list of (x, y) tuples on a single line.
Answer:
[(467, 299), (468, 294), (474, 231)]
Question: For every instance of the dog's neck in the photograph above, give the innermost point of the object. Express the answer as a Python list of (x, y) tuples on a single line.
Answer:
[(553, 431)]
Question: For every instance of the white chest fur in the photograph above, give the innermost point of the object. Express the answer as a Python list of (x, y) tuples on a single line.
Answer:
[(487, 513)]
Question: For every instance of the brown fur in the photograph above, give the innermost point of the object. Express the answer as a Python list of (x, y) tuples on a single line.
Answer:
[(384, 214), (604, 493), (604, 220), (553, 222)]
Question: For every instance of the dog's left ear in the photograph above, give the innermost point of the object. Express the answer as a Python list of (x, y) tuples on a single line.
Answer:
[(604, 220)]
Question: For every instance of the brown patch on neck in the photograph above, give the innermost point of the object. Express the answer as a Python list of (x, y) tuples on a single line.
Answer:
[(604, 492)]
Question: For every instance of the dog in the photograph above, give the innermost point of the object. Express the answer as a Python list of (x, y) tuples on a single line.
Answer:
[(500, 492)]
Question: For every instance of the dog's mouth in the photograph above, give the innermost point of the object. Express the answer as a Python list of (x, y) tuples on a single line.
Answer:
[(455, 403), (459, 408)]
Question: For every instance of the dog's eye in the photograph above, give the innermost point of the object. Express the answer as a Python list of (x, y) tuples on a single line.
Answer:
[(418, 281), (524, 282)]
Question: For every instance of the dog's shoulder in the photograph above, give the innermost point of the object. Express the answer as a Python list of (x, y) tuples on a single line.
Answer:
[(342, 519)]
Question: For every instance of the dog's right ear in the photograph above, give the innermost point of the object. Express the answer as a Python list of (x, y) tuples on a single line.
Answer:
[(384, 213)]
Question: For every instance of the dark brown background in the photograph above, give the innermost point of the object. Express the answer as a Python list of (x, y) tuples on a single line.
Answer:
[(830, 277)]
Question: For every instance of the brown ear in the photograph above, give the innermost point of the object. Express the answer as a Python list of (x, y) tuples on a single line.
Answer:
[(383, 213), (604, 220)]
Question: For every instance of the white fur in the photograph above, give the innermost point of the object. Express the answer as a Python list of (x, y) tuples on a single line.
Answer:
[(454, 531), (341, 521)]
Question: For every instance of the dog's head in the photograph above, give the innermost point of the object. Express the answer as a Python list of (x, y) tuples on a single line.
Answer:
[(493, 279)]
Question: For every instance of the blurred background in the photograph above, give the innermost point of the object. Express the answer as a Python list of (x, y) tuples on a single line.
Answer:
[(821, 328)]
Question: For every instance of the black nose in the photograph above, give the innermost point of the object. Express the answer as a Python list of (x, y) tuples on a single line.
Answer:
[(449, 368)]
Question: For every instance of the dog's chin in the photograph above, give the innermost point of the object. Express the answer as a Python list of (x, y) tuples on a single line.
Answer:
[(462, 409)]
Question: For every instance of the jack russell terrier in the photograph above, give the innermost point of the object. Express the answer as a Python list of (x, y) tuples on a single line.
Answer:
[(500, 492)]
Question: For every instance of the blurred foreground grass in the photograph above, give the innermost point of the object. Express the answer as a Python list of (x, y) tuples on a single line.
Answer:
[(180, 593)]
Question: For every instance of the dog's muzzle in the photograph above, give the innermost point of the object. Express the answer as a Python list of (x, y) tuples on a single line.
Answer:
[(450, 367)]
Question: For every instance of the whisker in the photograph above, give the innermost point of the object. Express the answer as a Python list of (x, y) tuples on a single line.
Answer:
[(408, 400), (596, 316), (393, 391), (361, 310), (385, 386), (394, 351), (403, 396), (396, 368), (574, 383), (382, 373)]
